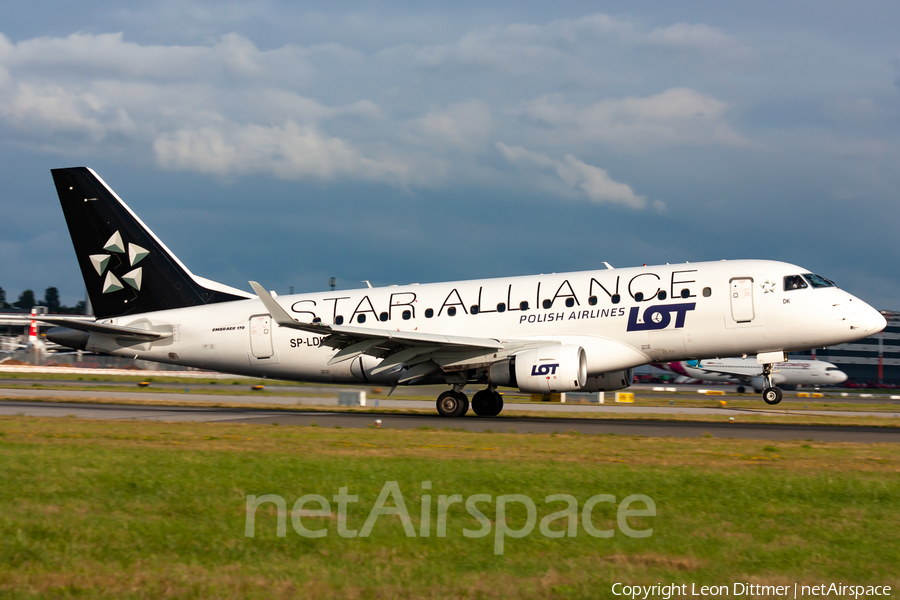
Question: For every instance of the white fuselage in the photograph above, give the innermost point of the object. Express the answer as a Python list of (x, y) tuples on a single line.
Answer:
[(749, 371), (622, 318)]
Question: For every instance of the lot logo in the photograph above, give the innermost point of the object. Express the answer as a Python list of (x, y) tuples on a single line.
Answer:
[(659, 316), (544, 369)]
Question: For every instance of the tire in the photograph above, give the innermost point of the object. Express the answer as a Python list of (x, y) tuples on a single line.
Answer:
[(741, 389), (487, 403), (465, 403), (772, 395), (482, 403), (452, 405), (498, 405)]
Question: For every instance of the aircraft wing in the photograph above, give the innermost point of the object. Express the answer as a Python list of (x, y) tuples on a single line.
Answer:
[(742, 377), (422, 353), (112, 330)]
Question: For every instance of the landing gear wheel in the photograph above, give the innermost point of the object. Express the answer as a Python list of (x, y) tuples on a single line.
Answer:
[(487, 403), (741, 389), (465, 402), (452, 404), (481, 402), (772, 395), (498, 406)]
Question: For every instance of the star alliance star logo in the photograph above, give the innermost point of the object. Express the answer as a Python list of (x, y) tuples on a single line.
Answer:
[(768, 287), (136, 254)]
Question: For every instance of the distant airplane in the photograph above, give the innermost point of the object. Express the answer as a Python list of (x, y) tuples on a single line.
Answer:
[(34, 341), (566, 332), (748, 371)]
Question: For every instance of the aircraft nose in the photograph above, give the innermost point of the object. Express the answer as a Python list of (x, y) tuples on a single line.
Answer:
[(872, 321), (839, 376)]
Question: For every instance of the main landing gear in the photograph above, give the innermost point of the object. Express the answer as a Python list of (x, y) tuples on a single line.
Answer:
[(771, 394), (454, 403), (487, 403)]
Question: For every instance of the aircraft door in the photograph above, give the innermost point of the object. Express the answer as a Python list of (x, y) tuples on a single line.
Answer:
[(261, 336), (742, 299)]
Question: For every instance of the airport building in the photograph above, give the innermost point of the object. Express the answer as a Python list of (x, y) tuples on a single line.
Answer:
[(873, 360)]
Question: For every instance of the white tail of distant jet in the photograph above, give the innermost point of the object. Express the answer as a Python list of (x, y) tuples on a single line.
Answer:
[(748, 372), (581, 331)]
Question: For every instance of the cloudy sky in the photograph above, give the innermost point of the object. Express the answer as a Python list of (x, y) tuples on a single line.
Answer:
[(290, 142)]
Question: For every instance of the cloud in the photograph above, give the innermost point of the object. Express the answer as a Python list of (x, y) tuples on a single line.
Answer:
[(230, 57), (464, 124), (288, 151), (673, 117), (415, 115), (579, 178), (564, 43), (693, 36)]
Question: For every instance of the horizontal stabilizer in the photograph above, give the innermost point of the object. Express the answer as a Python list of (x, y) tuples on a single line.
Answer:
[(111, 330)]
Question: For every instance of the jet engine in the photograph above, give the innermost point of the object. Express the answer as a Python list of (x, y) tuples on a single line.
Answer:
[(608, 382), (543, 370)]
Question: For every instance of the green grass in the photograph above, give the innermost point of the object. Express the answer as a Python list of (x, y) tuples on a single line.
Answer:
[(157, 510)]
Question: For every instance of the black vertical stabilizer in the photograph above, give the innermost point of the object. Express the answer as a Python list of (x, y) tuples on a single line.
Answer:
[(126, 268)]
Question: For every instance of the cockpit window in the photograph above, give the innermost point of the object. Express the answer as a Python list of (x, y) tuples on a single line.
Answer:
[(816, 281), (794, 282)]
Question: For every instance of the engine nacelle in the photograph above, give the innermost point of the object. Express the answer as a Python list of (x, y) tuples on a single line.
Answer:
[(609, 382), (543, 370)]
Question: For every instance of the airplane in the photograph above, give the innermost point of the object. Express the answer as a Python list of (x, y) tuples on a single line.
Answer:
[(34, 341), (580, 331), (748, 372)]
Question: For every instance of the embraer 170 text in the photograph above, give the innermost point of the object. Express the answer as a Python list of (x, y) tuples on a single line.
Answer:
[(582, 331)]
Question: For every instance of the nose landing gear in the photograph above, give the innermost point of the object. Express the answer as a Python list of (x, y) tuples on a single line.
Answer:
[(771, 394)]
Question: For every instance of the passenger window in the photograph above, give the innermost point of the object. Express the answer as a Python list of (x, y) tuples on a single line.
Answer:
[(429, 313), (639, 297), (615, 298), (570, 302), (501, 307), (361, 319), (592, 300), (547, 303), (339, 320), (451, 311), (685, 293), (707, 292), (661, 295), (523, 305), (383, 316), (794, 282), (407, 315), (473, 309), (317, 320)]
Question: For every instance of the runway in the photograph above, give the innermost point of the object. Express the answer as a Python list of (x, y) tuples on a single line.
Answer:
[(198, 395), (516, 424)]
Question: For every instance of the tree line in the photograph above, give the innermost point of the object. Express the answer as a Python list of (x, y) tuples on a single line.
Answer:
[(27, 300)]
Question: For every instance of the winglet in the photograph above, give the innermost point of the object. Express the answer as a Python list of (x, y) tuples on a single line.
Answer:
[(279, 314), (282, 317)]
